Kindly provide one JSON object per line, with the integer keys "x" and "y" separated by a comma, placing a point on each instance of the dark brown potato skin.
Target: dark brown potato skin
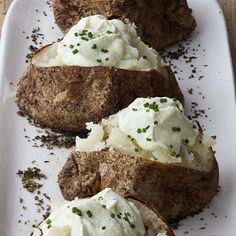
{"x": 160, "y": 23}
{"x": 174, "y": 191}
{"x": 67, "y": 97}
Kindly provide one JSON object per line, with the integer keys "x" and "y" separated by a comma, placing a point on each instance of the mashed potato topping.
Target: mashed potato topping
{"x": 106, "y": 214}
{"x": 154, "y": 129}
{"x": 97, "y": 41}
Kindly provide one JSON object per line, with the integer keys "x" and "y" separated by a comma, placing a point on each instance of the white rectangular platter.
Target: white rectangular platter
{"x": 211, "y": 87}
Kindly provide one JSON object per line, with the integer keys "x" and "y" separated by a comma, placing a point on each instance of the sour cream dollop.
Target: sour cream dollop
{"x": 97, "y": 41}
{"x": 106, "y": 214}
{"x": 154, "y": 129}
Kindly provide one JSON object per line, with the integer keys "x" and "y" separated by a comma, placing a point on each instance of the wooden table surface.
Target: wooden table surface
{"x": 229, "y": 8}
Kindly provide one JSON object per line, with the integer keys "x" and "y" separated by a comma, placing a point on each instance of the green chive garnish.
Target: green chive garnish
{"x": 186, "y": 141}
{"x": 90, "y": 35}
{"x": 77, "y": 211}
{"x": 89, "y": 213}
{"x": 94, "y": 46}
{"x": 176, "y": 129}
{"x": 84, "y": 38}
{"x": 104, "y": 50}
{"x": 48, "y": 222}
{"x": 75, "y": 51}
{"x": 139, "y": 131}
{"x": 163, "y": 100}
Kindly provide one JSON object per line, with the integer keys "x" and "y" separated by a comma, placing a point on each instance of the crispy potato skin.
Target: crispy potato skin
{"x": 67, "y": 97}
{"x": 159, "y": 23}
{"x": 174, "y": 191}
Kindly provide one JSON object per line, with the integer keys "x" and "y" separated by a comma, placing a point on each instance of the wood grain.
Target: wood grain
{"x": 229, "y": 9}
{"x": 228, "y": 6}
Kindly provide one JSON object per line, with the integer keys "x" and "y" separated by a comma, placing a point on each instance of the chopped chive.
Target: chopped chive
{"x": 78, "y": 44}
{"x": 100, "y": 198}
{"x": 104, "y": 227}
{"x": 107, "y": 59}
{"x": 77, "y": 211}
{"x": 155, "y": 122}
{"x": 148, "y": 139}
{"x": 136, "y": 150}
{"x": 109, "y": 32}
{"x": 173, "y": 153}
{"x": 113, "y": 215}
{"x": 94, "y": 46}
{"x": 99, "y": 60}
{"x": 89, "y": 213}
{"x": 139, "y": 131}
{"x": 48, "y": 222}
{"x": 84, "y": 38}
{"x": 104, "y": 206}
{"x": 163, "y": 100}
{"x": 28, "y": 56}
{"x": 144, "y": 57}
{"x": 186, "y": 141}
{"x": 194, "y": 126}
{"x": 104, "y": 50}
{"x": 146, "y": 105}
{"x": 75, "y": 51}
{"x": 76, "y": 34}
{"x": 90, "y": 35}
{"x": 176, "y": 129}
{"x": 72, "y": 46}
{"x": 135, "y": 109}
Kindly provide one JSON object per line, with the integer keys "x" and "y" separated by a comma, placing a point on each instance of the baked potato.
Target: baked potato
{"x": 169, "y": 164}
{"x": 106, "y": 213}
{"x": 98, "y": 68}
{"x": 160, "y": 23}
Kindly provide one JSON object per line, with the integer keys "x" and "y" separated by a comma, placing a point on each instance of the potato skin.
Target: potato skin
{"x": 67, "y": 97}
{"x": 159, "y": 23}
{"x": 174, "y": 191}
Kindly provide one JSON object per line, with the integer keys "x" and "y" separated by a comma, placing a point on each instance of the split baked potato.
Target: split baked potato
{"x": 106, "y": 213}
{"x": 169, "y": 163}
{"x": 98, "y": 68}
{"x": 160, "y": 23}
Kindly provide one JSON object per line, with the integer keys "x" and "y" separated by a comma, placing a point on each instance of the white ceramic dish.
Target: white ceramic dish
{"x": 217, "y": 87}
